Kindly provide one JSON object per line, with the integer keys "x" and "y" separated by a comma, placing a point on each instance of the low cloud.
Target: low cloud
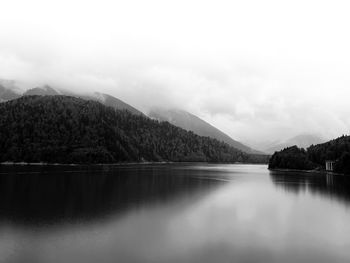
{"x": 254, "y": 74}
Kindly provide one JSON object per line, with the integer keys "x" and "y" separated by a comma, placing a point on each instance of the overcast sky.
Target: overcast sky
{"x": 258, "y": 70}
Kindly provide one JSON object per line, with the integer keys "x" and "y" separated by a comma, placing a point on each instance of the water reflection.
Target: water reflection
{"x": 327, "y": 185}
{"x": 174, "y": 213}
{"x": 53, "y": 194}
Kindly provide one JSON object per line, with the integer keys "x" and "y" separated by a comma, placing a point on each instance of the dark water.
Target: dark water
{"x": 172, "y": 213}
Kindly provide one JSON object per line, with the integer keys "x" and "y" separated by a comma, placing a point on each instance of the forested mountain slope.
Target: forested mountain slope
{"x": 65, "y": 129}
{"x": 190, "y": 122}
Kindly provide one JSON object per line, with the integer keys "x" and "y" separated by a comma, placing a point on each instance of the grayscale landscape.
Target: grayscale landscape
{"x": 174, "y": 131}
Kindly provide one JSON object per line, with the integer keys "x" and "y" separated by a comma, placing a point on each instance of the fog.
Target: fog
{"x": 258, "y": 70}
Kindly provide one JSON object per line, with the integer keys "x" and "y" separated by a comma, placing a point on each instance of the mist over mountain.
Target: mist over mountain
{"x": 114, "y": 102}
{"x": 42, "y": 91}
{"x": 180, "y": 118}
{"x": 233, "y": 70}
{"x": 9, "y": 92}
{"x": 193, "y": 123}
{"x": 301, "y": 140}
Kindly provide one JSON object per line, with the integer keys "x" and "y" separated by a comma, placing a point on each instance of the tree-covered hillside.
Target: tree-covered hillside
{"x": 70, "y": 130}
{"x": 337, "y": 150}
{"x": 291, "y": 158}
{"x": 190, "y": 122}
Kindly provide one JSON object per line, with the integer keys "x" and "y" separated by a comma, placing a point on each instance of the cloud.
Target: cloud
{"x": 258, "y": 71}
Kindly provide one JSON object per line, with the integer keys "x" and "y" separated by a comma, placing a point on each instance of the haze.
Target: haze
{"x": 258, "y": 70}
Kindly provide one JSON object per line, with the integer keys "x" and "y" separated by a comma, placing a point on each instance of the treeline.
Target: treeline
{"x": 62, "y": 129}
{"x": 291, "y": 158}
{"x": 337, "y": 150}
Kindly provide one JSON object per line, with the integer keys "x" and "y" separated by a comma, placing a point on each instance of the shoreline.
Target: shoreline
{"x": 306, "y": 171}
{"x": 77, "y": 164}
{"x": 112, "y": 164}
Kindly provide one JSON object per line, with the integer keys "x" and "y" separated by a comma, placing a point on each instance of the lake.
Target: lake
{"x": 172, "y": 213}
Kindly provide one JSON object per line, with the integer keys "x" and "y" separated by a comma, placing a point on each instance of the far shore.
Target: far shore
{"x": 318, "y": 171}
{"x": 121, "y": 163}
{"x": 78, "y": 164}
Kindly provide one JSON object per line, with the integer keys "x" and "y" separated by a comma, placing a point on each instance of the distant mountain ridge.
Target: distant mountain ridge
{"x": 301, "y": 140}
{"x": 190, "y": 122}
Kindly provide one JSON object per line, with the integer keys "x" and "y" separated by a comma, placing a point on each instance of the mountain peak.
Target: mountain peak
{"x": 43, "y": 90}
{"x": 105, "y": 99}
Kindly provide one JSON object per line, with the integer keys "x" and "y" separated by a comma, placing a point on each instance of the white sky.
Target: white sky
{"x": 258, "y": 70}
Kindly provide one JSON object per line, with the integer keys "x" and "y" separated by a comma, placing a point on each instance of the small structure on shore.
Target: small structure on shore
{"x": 330, "y": 165}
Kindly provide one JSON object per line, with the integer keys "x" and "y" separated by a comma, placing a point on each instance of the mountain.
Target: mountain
{"x": 105, "y": 99}
{"x": 44, "y": 90}
{"x": 63, "y": 129}
{"x": 178, "y": 118}
{"x": 8, "y": 90}
{"x": 302, "y": 141}
{"x": 191, "y": 122}
{"x": 111, "y": 101}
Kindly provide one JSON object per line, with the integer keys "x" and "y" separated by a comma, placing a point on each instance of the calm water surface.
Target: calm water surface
{"x": 172, "y": 213}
